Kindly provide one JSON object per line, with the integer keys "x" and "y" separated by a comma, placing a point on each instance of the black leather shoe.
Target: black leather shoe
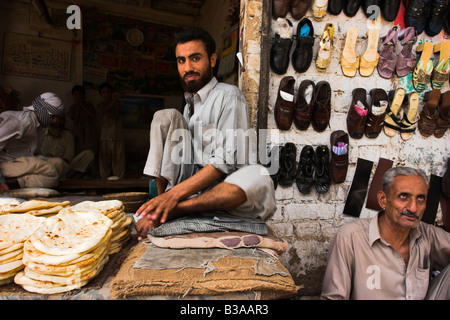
{"x": 390, "y": 9}
{"x": 302, "y": 56}
{"x": 322, "y": 178}
{"x": 436, "y": 20}
{"x": 416, "y": 14}
{"x": 351, "y": 7}
{"x": 335, "y": 7}
{"x": 305, "y": 170}
{"x": 368, "y": 8}
{"x": 288, "y": 168}
{"x": 279, "y": 54}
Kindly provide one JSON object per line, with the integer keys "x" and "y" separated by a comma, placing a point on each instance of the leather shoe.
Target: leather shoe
{"x": 281, "y": 47}
{"x": 368, "y": 11}
{"x": 357, "y": 114}
{"x": 416, "y": 14}
{"x": 280, "y": 8}
{"x": 339, "y": 156}
{"x": 305, "y": 170}
{"x": 322, "y": 106}
{"x": 377, "y": 112}
{"x": 351, "y": 7}
{"x": 436, "y": 20}
{"x": 302, "y": 56}
{"x": 322, "y": 178}
{"x": 304, "y": 105}
{"x": 389, "y": 9}
{"x": 284, "y": 106}
{"x": 299, "y": 8}
{"x": 288, "y": 170}
{"x": 335, "y": 7}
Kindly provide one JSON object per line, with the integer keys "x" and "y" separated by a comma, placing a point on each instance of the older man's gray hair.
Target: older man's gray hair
{"x": 401, "y": 171}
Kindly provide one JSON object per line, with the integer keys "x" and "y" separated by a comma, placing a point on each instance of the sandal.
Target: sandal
{"x": 287, "y": 165}
{"x": 410, "y": 117}
{"x": 441, "y": 71}
{"x": 394, "y": 112}
{"x": 319, "y": 9}
{"x": 388, "y": 59}
{"x": 326, "y": 45}
{"x": 443, "y": 116}
{"x": 349, "y": 57}
{"x": 424, "y": 68}
{"x": 369, "y": 59}
{"x": 322, "y": 179}
{"x": 428, "y": 117}
{"x": 406, "y": 58}
{"x": 305, "y": 170}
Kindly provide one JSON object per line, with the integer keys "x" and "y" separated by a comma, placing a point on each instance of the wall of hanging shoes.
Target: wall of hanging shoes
{"x": 353, "y": 81}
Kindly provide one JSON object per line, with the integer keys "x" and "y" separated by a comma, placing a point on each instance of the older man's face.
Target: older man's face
{"x": 406, "y": 200}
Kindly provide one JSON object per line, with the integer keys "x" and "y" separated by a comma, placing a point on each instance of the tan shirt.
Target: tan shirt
{"x": 362, "y": 266}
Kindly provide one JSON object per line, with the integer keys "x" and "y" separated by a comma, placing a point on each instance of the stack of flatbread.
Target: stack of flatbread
{"x": 66, "y": 252}
{"x": 15, "y": 229}
{"x": 38, "y": 208}
{"x": 113, "y": 209}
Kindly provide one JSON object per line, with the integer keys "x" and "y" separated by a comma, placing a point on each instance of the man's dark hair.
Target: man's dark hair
{"x": 105, "y": 85}
{"x": 196, "y": 33}
{"x": 78, "y": 88}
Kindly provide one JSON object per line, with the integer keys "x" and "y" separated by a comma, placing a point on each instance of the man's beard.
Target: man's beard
{"x": 195, "y": 85}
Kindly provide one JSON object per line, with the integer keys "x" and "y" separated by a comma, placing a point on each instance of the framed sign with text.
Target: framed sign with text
{"x": 32, "y": 56}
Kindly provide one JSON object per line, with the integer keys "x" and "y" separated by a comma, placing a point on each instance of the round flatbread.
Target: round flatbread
{"x": 11, "y": 266}
{"x": 106, "y": 206}
{"x": 16, "y": 228}
{"x": 71, "y": 232}
{"x": 14, "y": 247}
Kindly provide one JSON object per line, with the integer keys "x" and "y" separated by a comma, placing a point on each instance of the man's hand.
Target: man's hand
{"x": 3, "y": 187}
{"x": 142, "y": 227}
{"x": 158, "y": 209}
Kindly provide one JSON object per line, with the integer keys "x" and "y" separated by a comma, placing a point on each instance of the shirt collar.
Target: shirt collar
{"x": 374, "y": 231}
{"x": 203, "y": 92}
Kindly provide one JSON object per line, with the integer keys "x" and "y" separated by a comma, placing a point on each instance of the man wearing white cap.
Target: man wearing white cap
{"x": 20, "y": 137}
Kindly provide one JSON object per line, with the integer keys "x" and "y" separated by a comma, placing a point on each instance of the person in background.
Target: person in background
{"x": 112, "y": 147}
{"x": 59, "y": 142}
{"x": 21, "y": 134}
{"x": 393, "y": 255}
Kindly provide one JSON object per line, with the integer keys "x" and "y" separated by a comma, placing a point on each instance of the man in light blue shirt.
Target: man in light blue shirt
{"x": 201, "y": 160}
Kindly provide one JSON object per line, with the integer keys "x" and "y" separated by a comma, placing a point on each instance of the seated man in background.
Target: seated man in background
{"x": 59, "y": 142}
{"x": 392, "y": 255}
{"x": 20, "y": 137}
{"x": 213, "y": 179}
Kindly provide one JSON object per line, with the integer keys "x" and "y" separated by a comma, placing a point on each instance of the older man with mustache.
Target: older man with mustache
{"x": 392, "y": 255}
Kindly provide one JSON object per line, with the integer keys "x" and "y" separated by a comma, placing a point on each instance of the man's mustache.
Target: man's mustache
{"x": 409, "y": 213}
{"x": 192, "y": 73}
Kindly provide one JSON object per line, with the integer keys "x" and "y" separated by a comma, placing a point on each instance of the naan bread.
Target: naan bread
{"x": 106, "y": 206}
{"x": 16, "y": 228}
{"x": 43, "y": 212}
{"x": 71, "y": 232}
{"x": 28, "y": 193}
{"x": 11, "y": 266}
{"x": 14, "y": 247}
{"x": 33, "y": 205}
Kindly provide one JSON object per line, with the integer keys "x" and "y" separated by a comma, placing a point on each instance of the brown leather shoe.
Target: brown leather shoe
{"x": 443, "y": 115}
{"x": 304, "y": 105}
{"x": 284, "y": 106}
{"x": 299, "y": 8}
{"x": 356, "y": 122}
{"x": 322, "y": 106}
{"x": 339, "y": 156}
{"x": 377, "y": 112}
{"x": 280, "y": 8}
{"x": 428, "y": 117}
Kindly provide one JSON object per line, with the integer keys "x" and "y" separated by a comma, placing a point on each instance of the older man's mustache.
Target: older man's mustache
{"x": 192, "y": 73}
{"x": 410, "y": 214}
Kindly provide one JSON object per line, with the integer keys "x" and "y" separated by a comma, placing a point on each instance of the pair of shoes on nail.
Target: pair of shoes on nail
{"x": 403, "y": 62}
{"x": 426, "y": 15}
{"x": 325, "y": 48}
{"x": 284, "y": 40}
{"x": 319, "y": 9}
{"x": 297, "y": 8}
{"x": 313, "y": 170}
{"x": 365, "y": 120}
{"x": 402, "y": 114}
{"x": 351, "y": 61}
{"x": 424, "y": 72}
{"x": 287, "y": 165}
{"x": 434, "y": 117}
{"x": 350, "y": 7}
{"x": 340, "y": 149}
{"x": 313, "y": 105}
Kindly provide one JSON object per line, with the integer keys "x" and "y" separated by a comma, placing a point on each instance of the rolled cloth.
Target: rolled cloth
{"x": 47, "y": 105}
